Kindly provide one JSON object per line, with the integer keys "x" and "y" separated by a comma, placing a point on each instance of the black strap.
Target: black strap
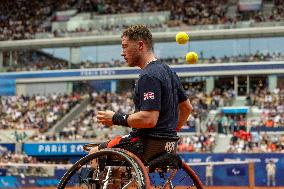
{"x": 159, "y": 137}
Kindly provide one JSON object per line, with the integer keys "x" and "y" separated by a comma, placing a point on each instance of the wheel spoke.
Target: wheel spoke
{"x": 169, "y": 179}
{"x": 129, "y": 183}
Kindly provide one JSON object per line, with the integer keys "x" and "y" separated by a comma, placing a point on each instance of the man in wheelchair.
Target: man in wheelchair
{"x": 161, "y": 104}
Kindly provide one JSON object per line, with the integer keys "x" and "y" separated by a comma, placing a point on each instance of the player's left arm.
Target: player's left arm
{"x": 150, "y": 98}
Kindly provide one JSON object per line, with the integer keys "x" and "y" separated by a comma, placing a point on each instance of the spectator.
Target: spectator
{"x": 209, "y": 175}
{"x": 271, "y": 172}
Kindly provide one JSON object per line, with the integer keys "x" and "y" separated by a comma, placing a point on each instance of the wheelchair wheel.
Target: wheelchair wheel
{"x": 115, "y": 168}
{"x": 179, "y": 178}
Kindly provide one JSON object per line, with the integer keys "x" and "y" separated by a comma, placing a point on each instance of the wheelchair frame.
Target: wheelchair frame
{"x": 142, "y": 173}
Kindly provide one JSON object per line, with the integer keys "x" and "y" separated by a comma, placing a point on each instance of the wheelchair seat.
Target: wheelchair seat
{"x": 165, "y": 161}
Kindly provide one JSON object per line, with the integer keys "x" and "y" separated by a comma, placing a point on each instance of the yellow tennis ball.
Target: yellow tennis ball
{"x": 182, "y": 38}
{"x": 191, "y": 57}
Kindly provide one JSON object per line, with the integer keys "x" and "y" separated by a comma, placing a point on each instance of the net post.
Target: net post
{"x": 251, "y": 175}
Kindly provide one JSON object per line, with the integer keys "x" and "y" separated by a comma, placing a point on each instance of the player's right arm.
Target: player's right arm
{"x": 143, "y": 119}
{"x": 149, "y": 90}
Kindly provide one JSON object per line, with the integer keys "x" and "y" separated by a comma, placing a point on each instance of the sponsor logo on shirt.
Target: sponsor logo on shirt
{"x": 149, "y": 95}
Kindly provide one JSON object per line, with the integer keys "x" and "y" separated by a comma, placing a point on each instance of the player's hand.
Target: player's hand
{"x": 105, "y": 117}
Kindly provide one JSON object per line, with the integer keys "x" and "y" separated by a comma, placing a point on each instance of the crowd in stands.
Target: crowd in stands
{"x": 226, "y": 123}
{"x": 34, "y": 112}
{"x": 253, "y": 57}
{"x": 42, "y": 112}
{"x": 202, "y": 103}
{"x": 86, "y": 127}
{"x": 9, "y": 161}
{"x": 188, "y": 12}
{"x": 278, "y": 10}
{"x": 197, "y": 143}
{"x": 256, "y": 142}
{"x": 22, "y": 19}
{"x": 276, "y": 14}
{"x": 31, "y": 60}
{"x": 7, "y": 156}
{"x": 271, "y": 104}
{"x": 182, "y": 13}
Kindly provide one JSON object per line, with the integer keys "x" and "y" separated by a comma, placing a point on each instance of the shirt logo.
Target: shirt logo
{"x": 170, "y": 146}
{"x": 149, "y": 95}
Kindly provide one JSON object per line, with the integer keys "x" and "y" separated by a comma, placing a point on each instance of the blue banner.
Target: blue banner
{"x": 7, "y": 87}
{"x": 266, "y": 129}
{"x": 8, "y": 182}
{"x": 54, "y": 149}
{"x": 8, "y": 146}
{"x": 224, "y": 175}
{"x": 235, "y": 110}
{"x": 236, "y": 170}
{"x": 237, "y": 174}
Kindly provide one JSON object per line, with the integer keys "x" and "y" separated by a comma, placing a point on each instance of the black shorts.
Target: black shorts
{"x": 146, "y": 148}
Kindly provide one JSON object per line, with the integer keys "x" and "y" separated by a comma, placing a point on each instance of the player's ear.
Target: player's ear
{"x": 140, "y": 45}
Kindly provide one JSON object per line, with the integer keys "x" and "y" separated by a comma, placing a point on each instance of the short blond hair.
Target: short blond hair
{"x": 139, "y": 32}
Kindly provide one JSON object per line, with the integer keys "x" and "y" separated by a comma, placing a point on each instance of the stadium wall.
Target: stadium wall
{"x": 220, "y": 69}
{"x": 225, "y": 175}
{"x": 228, "y": 174}
{"x": 60, "y": 81}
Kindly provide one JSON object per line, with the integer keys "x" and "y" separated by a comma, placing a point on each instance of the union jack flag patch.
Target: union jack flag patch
{"x": 149, "y": 95}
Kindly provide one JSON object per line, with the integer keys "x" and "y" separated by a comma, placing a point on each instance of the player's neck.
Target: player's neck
{"x": 148, "y": 59}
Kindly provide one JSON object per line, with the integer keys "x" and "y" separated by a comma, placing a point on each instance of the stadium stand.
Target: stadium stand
{"x": 37, "y": 112}
{"x": 85, "y": 128}
{"x": 256, "y": 142}
{"x": 270, "y": 104}
{"x": 34, "y": 60}
{"x": 51, "y": 16}
{"x": 22, "y": 20}
{"x": 216, "y": 130}
{"x": 197, "y": 143}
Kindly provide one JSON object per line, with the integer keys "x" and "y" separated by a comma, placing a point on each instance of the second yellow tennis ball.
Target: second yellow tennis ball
{"x": 191, "y": 57}
{"x": 182, "y": 38}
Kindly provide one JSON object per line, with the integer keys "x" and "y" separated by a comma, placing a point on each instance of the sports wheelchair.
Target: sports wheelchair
{"x": 118, "y": 168}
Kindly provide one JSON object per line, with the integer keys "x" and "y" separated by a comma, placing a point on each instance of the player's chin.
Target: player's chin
{"x": 130, "y": 64}
{"x": 126, "y": 62}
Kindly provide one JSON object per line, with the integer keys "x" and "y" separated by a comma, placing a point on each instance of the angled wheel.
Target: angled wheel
{"x": 115, "y": 168}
